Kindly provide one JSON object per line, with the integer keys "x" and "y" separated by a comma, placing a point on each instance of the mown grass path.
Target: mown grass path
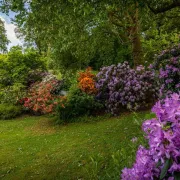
{"x": 35, "y": 148}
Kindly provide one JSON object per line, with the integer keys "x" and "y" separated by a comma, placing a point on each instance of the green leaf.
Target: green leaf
{"x": 177, "y": 175}
{"x": 158, "y": 164}
{"x": 165, "y": 168}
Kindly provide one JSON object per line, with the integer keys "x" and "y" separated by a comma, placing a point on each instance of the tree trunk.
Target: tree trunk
{"x": 136, "y": 41}
{"x": 131, "y": 32}
{"x": 137, "y": 51}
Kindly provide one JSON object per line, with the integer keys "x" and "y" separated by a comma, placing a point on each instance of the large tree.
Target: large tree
{"x": 3, "y": 37}
{"x": 158, "y": 7}
{"x": 69, "y": 26}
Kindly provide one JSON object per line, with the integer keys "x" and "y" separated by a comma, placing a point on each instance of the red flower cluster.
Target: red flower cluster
{"x": 87, "y": 81}
{"x": 41, "y": 99}
{"x": 22, "y": 100}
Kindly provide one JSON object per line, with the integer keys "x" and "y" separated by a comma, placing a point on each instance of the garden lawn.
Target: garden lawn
{"x": 36, "y": 148}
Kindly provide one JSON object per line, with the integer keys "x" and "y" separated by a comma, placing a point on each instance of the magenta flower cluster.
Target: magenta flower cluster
{"x": 120, "y": 86}
{"x": 162, "y": 159}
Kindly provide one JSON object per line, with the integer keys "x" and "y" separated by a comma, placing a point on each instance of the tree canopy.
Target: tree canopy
{"x": 80, "y": 32}
{"x": 3, "y": 37}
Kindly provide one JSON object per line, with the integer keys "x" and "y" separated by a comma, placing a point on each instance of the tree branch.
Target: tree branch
{"x": 164, "y": 8}
{"x": 114, "y": 19}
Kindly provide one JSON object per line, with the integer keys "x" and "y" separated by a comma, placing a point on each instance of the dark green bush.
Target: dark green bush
{"x": 9, "y": 111}
{"x": 77, "y": 104}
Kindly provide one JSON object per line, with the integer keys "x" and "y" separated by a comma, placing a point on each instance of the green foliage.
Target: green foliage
{"x": 97, "y": 33}
{"x": 77, "y": 104}
{"x": 15, "y": 73}
{"x": 101, "y": 49}
{"x": 153, "y": 42}
{"x": 69, "y": 79}
{"x": 108, "y": 50}
{"x": 3, "y": 37}
{"x": 177, "y": 176}
{"x": 17, "y": 65}
{"x": 11, "y": 94}
{"x": 9, "y": 111}
{"x": 84, "y": 31}
{"x": 165, "y": 168}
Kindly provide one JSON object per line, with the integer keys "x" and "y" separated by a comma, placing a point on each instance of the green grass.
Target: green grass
{"x": 36, "y": 148}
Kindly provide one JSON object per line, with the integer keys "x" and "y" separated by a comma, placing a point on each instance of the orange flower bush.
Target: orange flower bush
{"x": 87, "y": 81}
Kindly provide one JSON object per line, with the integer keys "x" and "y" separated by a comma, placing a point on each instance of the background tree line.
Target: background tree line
{"x": 76, "y": 34}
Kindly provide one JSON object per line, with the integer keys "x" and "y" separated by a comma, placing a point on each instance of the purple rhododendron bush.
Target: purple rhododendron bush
{"x": 120, "y": 86}
{"x": 168, "y": 65}
{"x": 162, "y": 159}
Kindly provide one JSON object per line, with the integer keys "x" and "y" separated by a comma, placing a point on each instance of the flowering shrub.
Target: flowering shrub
{"x": 49, "y": 77}
{"x": 80, "y": 99}
{"x": 87, "y": 82}
{"x": 162, "y": 159}
{"x": 41, "y": 97}
{"x": 167, "y": 54}
{"x": 120, "y": 86}
{"x": 35, "y": 76}
{"x": 169, "y": 74}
